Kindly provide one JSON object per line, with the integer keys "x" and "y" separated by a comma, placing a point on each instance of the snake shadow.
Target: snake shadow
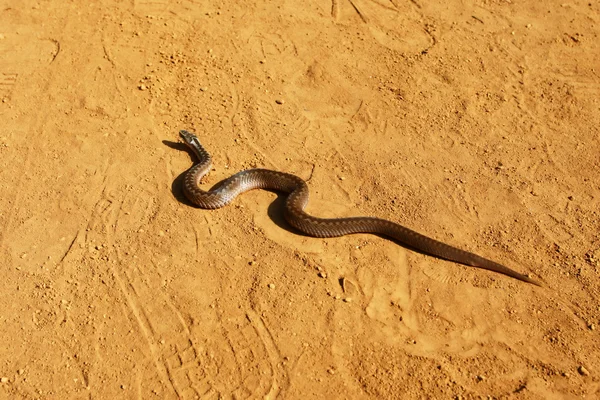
{"x": 177, "y": 184}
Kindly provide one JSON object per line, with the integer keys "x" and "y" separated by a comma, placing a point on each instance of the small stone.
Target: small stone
{"x": 3, "y": 379}
{"x": 583, "y": 370}
{"x": 161, "y": 233}
{"x": 347, "y": 299}
{"x": 279, "y": 101}
{"x": 592, "y": 327}
{"x": 322, "y": 274}
{"x": 21, "y": 371}
{"x": 271, "y": 286}
{"x": 480, "y": 378}
{"x": 142, "y": 87}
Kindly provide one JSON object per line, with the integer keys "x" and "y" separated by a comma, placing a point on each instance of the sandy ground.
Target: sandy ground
{"x": 476, "y": 123}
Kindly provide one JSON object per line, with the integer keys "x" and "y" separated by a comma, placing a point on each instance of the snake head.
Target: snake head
{"x": 194, "y": 144}
{"x": 188, "y": 137}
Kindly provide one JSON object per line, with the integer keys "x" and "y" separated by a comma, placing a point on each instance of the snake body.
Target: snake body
{"x": 295, "y": 215}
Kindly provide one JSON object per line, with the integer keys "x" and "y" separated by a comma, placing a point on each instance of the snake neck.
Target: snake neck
{"x": 201, "y": 154}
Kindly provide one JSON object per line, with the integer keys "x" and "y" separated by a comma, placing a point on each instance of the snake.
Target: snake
{"x": 297, "y": 198}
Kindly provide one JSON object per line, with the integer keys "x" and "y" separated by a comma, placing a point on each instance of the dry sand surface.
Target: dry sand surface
{"x": 474, "y": 122}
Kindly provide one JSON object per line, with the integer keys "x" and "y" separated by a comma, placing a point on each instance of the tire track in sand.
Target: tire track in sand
{"x": 239, "y": 359}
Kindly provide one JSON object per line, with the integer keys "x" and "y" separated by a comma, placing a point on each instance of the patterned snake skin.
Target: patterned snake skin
{"x": 294, "y": 213}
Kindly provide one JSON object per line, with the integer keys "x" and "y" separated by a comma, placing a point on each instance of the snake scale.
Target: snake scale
{"x": 294, "y": 213}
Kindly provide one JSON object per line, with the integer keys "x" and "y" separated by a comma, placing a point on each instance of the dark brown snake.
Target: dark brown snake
{"x": 297, "y": 199}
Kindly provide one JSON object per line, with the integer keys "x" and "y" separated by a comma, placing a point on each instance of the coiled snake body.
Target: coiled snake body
{"x": 297, "y": 199}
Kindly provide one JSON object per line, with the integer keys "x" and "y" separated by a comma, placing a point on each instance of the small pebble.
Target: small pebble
{"x": 348, "y": 299}
{"x": 322, "y": 274}
{"x": 279, "y": 101}
{"x": 142, "y": 87}
{"x": 271, "y": 286}
{"x": 583, "y": 370}
{"x": 592, "y": 327}
{"x": 3, "y": 379}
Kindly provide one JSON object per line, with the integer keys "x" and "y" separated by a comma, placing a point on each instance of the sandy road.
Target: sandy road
{"x": 484, "y": 116}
